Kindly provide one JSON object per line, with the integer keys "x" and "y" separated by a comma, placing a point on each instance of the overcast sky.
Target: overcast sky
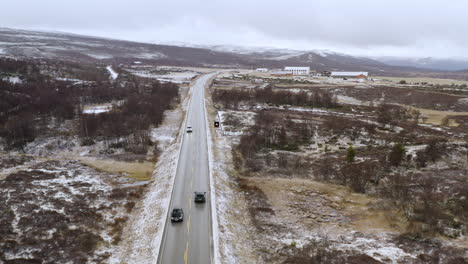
{"x": 419, "y": 28}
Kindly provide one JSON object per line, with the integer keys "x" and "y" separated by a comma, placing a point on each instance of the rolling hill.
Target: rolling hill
{"x": 66, "y": 46}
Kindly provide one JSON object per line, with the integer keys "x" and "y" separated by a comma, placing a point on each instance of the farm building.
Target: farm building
{"x": 298, "y": 70}
{"x": 262, "y": 69}
{"x": 281, "y": 73}
{"x": 350, "y": 75}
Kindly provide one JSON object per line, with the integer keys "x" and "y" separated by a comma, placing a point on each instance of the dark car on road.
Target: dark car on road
{"x": 200, "y": 197}
{"x": 189, "y": 129}
{"x": 177, "y": 215}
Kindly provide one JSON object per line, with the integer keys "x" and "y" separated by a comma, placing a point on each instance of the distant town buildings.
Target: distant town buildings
{"x": 305, "y": 71}
{"x": 298, "y": 70}
{"x": 350, "y": 75}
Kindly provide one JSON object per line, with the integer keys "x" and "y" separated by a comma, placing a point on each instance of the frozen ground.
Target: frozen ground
{"x": 58, "y": 211}
{"x": 275, "y": 219}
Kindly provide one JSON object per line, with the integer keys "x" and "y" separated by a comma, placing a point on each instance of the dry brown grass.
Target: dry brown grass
{"x": 141, "y": 171}
{"x": 359, "y": 208}
{"x": 422, "y": 79}
{"x": 437, "y": 117}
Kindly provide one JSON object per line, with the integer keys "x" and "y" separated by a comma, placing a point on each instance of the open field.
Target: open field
{"x": 140, "y": 171}
{"x": 438, "y": 117}
{"x": 410, "y": 80}
{"x": 289, "y": 166}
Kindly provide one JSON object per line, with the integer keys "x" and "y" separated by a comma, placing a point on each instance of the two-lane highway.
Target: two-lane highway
{"x": 190, "y": 241}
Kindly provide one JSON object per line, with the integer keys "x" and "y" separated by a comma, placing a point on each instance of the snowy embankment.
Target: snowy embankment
{"x": 231, "y": 221}
{"x": 214, "y": 211}
{"x": 142, "y": 235}
{"x": 113, "y": 74}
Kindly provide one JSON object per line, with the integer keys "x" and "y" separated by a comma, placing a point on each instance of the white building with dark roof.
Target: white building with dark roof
{"x": 298, "y": 70}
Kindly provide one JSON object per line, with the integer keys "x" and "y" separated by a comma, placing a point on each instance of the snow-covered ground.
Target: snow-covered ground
{"x": 241, "y": 242}
{"x": 113, "y": 74}
{"x": 58, "y": 200}
{"x": 234, "y": 245}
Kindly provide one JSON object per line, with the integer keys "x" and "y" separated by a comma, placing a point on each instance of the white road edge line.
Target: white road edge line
{"x": 215, "y": 258}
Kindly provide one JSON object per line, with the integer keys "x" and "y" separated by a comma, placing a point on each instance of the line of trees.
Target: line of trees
{"x": 232, "y": 97}
{"x": 140, "y": 111}
{"x": 28, "y": 107}
{"x": 18, "y": 66}
{"x": 272, "y": 132}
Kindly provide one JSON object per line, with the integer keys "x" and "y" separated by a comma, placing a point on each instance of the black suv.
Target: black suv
{"x": 177, "y": 215}
{"x": 200, "y": 197}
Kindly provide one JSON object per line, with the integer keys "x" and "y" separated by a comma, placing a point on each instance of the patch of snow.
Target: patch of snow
{"x": 432, "y": 127}
{"x": 97, "y": 109}
{"x": 68, "y": 79}
{"x": 155, "y": 55}
{"x": 99, "y": 56}
{"x": 411, "y": 150}
{"x": 348, "y": 100}
{"x": 112, "y": 73}
{"x": 462, "y": 100}
{"x": 14, "y": 80}
{"x": 26, "y": 253}
{"x": 380, "y": 250}
{"x": 326, "y": 53}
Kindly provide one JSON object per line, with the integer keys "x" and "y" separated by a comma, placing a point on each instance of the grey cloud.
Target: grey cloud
{"x": 368, "y": 27}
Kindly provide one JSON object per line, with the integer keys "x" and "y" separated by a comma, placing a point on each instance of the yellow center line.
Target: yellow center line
{"x": 188, "y": 225}
{"x": 186, "y": 253}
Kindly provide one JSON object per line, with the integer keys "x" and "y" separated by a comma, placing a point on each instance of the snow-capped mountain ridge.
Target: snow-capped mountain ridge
{"x": 64, "y": 46}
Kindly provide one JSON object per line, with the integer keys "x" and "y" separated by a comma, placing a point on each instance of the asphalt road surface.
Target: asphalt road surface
{"x": 190, "y": 241}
